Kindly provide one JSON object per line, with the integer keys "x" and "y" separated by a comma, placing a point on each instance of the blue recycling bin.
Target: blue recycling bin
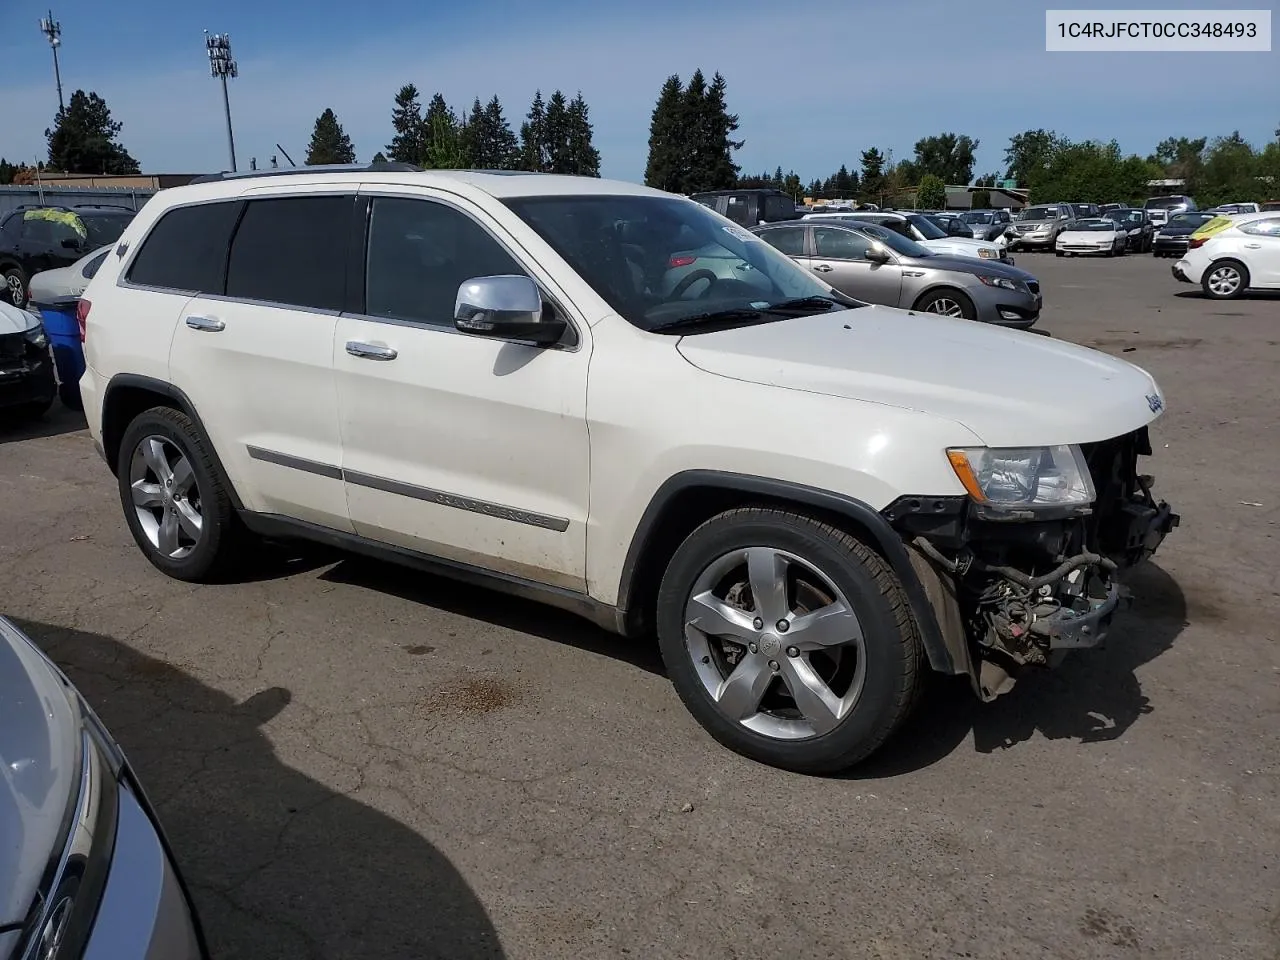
{"x": 63, "y": 330}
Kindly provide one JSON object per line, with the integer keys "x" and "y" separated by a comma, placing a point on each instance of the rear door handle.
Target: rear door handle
{"x": 208, "y": 324}
{"x": 370, "y": 351}
{"x": 824, "y": 268}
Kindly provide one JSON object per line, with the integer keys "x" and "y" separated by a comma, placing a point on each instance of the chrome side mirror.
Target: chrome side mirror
{"x": 505, "y": 308}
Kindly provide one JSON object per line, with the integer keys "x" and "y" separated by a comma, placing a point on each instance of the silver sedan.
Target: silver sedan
{"x": 874, "y": 264}
{"x": 87, "y": 872}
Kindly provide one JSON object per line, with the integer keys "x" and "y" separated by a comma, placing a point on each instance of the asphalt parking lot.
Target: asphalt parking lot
{"x": 357, "y": 761}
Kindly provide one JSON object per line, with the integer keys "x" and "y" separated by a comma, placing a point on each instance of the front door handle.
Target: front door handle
{"x": 208, "y": 324}
{"x": 370, "y": 351}
{"x": 824, "y": 268}
{"x": 1254, "y": 246}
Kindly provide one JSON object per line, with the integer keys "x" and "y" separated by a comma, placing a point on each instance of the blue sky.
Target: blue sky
{"x": 860, "y": 74}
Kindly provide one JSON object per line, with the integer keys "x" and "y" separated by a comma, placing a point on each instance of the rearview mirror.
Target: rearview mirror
{"x": 877, "y": 254}
{"x": 505, "y": 308}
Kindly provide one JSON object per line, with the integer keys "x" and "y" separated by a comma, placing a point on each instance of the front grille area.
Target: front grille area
{"x": 13, "y": 350}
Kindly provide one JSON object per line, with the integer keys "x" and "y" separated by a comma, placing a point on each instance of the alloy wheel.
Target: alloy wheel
{"x": 1224, "y": 280}
{"x": 166, "y": 497}
{"x": 945, "y": 306}
{"x": 775, "y": 642}
{"x": 17, "y": 291}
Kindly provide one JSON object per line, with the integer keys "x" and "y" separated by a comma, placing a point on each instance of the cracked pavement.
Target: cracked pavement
{"x": 354, "y": 760}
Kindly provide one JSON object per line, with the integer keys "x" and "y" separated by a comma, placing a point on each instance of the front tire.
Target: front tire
{"x": 947, "y": 303}
{"x": 14, "y": 283}
{"x": 1225, "y": 280}
{"x": 789, "y": 640}
{"x": 177, "y": 507}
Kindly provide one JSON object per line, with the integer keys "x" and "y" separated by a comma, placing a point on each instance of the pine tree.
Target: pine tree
{"x": 584, "y": 158}
{"x": 379, "y": 157}
{"x": 777, "y": 179}
{"x": 844, "y": 183}
{"x": 474, "y": 139}
{"x": 555, "y": 134}
{"x": 665, "y": 169}
{"x": 406, "y": 119}
{"x": 872, "y": 173}
{"x": 504, "y": 148}
{"x": 533, "y": 137}
{"x": 83, "y": 139}
{"x": 442, "y": 137}
{"x": 329, "y": 143}
{"x": 718, "y": 131}
{"x": 694, "y": 162}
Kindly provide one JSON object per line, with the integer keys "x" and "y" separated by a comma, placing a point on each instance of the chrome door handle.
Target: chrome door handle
{"x": 824, "y": 268}
{"x": 370, "y": 351}
{"x": 1254, "y": 246}
{"x": 208, "y": 324}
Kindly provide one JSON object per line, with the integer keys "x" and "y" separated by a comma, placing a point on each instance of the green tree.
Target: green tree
{"x": 947, "y": 156}
{"x": 583, "y": 157}
{"x": 1029, "y": 153}
{"x": 533, "y": 138}
{"x": 555, "y": 134}
{"x": 664, "y": 169}
{"x": 843, "y": 181}
{"x": 718, "y": 145}
{"x": 792, "y": 186}
{"x": 407, "y": 145}
{"x": 490, "y": 144}
{"x": 329, "y": 142}
{"x": 83, "y": 139}
{"x": 932, "y": 193}
{"x": 379, "y": 157}
{"x": 442, "y": 137}
{"x": 872, "y": 173}
{"x": 1231, "y": 173}
{"x": 694, "y": 166}
{"x": 1093, "y": 171}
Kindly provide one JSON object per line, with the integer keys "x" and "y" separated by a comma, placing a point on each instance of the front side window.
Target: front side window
{"x": 637, "y": 252}
{"x": 292, "y": 250}
{"x": 419, "y": 253}
{"x": 840, "y": 244}
{"x": 896, "y": 241}
{"x": 187, "y": 248}
{"x": 926, "y": 228}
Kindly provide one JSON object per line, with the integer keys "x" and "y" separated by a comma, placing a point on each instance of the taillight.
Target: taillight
{"x": 680, "y": 262}
{"x": 82, "y": 316}
{"x": 1196, "y": 242}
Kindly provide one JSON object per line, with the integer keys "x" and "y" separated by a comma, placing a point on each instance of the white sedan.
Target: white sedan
{"x": 1095, "y": 235}
{"x": 1228, "y": 256}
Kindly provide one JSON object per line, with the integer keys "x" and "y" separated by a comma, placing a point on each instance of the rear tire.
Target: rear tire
{"x": 69, "y": 394}
{"x": 32, "y": 411}
{"x": 1225, "y": 280}
{"x": 857, "y": 664}
{"x": 14, "y": 283}
{"x": 175, "y": 501}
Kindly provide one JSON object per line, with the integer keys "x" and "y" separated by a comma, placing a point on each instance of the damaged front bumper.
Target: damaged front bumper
{"x": 1010, "y": 595}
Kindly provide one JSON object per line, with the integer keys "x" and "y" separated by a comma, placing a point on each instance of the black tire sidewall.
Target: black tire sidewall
{"x": 887, "y": 658}
{"x": 215, "y": 517}
{"x": 1227, "y": 261}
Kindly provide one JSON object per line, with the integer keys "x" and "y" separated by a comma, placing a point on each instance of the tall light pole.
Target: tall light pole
{"x": 222, "y": 66}
{"x": 52, "y": 31}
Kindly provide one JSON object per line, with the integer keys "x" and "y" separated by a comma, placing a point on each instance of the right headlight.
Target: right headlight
{"x": 1024, "y": 478}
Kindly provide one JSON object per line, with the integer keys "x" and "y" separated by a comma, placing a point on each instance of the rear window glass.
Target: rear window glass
{"x": 187, "y": 248}
{"x": 292, "y": 250}
{"x": 789, "y": 240}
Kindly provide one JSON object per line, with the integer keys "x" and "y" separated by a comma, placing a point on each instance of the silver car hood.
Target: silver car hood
{"x": 39, "y": 763}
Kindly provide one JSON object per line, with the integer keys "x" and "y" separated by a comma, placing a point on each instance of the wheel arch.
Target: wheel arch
{"x": 939, "y": 286}
{"x": 128, "y": 395}
{"x": 688, "y": 499}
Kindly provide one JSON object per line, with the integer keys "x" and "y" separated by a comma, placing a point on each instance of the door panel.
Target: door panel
{"x": 258, "y": 361}
{"x": 839, "y": 258}
{"x": 463, "y": 447}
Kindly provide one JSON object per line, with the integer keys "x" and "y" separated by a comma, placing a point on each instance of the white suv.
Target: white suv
{"x": 809, "y": 500}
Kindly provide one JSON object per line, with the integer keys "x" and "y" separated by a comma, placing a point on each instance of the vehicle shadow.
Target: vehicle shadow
{"x": 280, "y": 865}
{"x": 1094, "y": 696}
{"x": 1261, "y": 296}
{"x": 489, "y": 606}
{"x": 59, "y": 420}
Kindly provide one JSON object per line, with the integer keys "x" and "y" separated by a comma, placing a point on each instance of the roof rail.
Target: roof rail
{"x": 390, "y": 166}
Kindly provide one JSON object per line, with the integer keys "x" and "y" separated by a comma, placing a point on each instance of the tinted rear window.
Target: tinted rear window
{"x": 292, "y": 250}
{"x": 187, "y": 248}
{"x": 105, "y": 228}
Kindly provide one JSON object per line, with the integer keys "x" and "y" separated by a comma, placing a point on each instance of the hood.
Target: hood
{"x": 975, "y": 266}
{"x": 13, "y": 320}
{"x": 39, "y": 769}
{"x": 1009, "y": 388}
{"x": 958, "y": 243}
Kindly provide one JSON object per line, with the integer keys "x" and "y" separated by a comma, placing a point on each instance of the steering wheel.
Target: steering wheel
{"x": 679, "y": 289}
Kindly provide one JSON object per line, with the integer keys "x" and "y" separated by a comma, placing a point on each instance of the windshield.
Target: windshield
{"x": 1121, "y": 216}
{"x": 1164, "y": 203}
{"x": 105, "y": 228}
{"x": 976, "y": 217}
{"x": 1101, "y": 225}
{"x": 659, "y": 260}
{"x": 1039, "y": 213}
{"x": 895, "y": 241}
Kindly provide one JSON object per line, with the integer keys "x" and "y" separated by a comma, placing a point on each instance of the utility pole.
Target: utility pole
{"x": 222, "y": 66}
{"x": 52, "y": 31}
